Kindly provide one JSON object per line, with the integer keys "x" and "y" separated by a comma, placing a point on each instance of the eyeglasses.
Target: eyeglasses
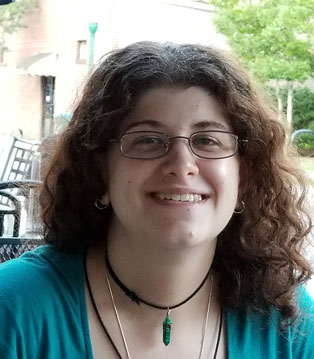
{"x": 204, "y": 144}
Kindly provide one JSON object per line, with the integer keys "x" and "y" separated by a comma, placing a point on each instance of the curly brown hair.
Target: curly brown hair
{"x": 258, "y": 256}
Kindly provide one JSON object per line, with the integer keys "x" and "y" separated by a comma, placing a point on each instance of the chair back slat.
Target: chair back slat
{"x": 18, "y": 163}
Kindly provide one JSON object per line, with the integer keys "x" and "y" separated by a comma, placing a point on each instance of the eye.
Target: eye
{"x": 205, "y": 140}
{"x": 144, "y": 142}
{"x": 147, "y": 140}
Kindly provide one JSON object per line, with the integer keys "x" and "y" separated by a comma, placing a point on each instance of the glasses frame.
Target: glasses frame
{"x": 170, "y": 139}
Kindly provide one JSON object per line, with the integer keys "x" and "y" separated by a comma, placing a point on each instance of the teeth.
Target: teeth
{"x": 186, "y": 197}
{"x": 189, "y": 197}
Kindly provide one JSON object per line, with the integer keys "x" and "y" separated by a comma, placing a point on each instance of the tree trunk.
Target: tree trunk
{"x": 279, "y": 101}
{"x": 290, "y": 103}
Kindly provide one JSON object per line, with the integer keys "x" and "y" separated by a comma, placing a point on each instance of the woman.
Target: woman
{"x": 174, "y": 218}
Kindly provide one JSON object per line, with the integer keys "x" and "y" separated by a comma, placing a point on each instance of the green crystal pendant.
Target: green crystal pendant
{"x": 166, "y": 329}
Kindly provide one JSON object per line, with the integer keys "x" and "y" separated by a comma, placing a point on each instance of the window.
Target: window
{"x": 81, "y": 52}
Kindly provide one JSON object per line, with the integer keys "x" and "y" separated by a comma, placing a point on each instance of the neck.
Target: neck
{"x": 160, "y": 275}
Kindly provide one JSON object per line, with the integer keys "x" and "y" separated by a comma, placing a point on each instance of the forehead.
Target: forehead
{"x": 176, "y": 108}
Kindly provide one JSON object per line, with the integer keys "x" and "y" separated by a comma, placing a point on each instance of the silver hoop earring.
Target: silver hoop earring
{"x": 241, "y": 209}
{"x": 100, "y": 205}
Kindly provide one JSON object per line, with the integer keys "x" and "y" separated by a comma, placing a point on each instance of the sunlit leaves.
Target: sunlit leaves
{"x": 11, "y": 15}
{"x": 274, "y": 37}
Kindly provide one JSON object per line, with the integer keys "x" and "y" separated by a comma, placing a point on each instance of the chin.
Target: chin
{"x": 187, "y": 240}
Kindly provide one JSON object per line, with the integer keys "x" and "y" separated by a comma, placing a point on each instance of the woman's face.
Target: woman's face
{"x": 149, "y": 197}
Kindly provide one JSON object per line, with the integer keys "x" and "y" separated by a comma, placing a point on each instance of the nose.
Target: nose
{"x": 179, "y": 161}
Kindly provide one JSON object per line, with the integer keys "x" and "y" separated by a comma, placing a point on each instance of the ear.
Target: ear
{"x": 105, "y": 199}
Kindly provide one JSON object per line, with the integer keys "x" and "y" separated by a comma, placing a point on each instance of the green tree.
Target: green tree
{"x": 303, "y": 109}
{"x": 303, "y": 106}
{"x": 273, "y": 37}
{"x": 11, "y": 18}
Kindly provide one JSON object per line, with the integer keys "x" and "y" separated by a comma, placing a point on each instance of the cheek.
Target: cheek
{"x": 123, "y": 181}
{"x": 225, "y": 179}
{"x": 223, "y": 171}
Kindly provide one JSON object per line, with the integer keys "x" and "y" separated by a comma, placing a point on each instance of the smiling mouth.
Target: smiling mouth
{"x": 188, "y": 197}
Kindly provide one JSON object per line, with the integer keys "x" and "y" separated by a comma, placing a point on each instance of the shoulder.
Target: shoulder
{"x": 302, "y": 332}
{"x": 42, "y": 299}
{"x": 39, "y": 276}
{"x": 39, "y": 269}
{"x": 262, "y": 334}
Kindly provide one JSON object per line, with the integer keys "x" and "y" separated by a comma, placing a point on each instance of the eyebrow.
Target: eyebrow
{"x": 202, "y": 125}
{"x": 211, "y": 124}
{"x": 152, "y": 123}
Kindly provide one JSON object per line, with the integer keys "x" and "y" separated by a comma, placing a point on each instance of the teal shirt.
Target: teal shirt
{"x": 43, "y": 315}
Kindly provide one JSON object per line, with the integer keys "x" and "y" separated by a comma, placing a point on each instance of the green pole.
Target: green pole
{"x": 92, "y": 29}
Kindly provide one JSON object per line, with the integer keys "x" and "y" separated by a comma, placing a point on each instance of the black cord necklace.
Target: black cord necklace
{"x": 134, "y": 297}
{"x": 96, "y": 309}
{"x": 106, "y": 331}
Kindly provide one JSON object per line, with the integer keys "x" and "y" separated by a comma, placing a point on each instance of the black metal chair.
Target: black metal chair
{"x": 12, "y": 247}
{"x": 15, "y": 211}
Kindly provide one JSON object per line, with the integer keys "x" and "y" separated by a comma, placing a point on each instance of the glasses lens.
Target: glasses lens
{"x": 144, "y": 144}
{"x": 213, "y": 144}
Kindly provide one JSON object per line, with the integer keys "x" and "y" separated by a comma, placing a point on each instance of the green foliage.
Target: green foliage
{"x": 305, "y": 144}
{"x": 303, "y": 109}
{"x": 303, "y": 106}
{"x": 273, "y": 37}
{"x": 305, "y": 141}
{"x": 11, "y": 16}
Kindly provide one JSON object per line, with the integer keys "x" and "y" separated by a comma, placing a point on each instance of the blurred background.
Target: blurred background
{"x": 48, "y": 47}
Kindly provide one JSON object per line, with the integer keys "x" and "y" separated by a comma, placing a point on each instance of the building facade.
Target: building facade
{"x": 47, "y": 62}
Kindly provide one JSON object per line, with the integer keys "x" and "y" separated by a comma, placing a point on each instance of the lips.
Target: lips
{"x": 185, "y": 197}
